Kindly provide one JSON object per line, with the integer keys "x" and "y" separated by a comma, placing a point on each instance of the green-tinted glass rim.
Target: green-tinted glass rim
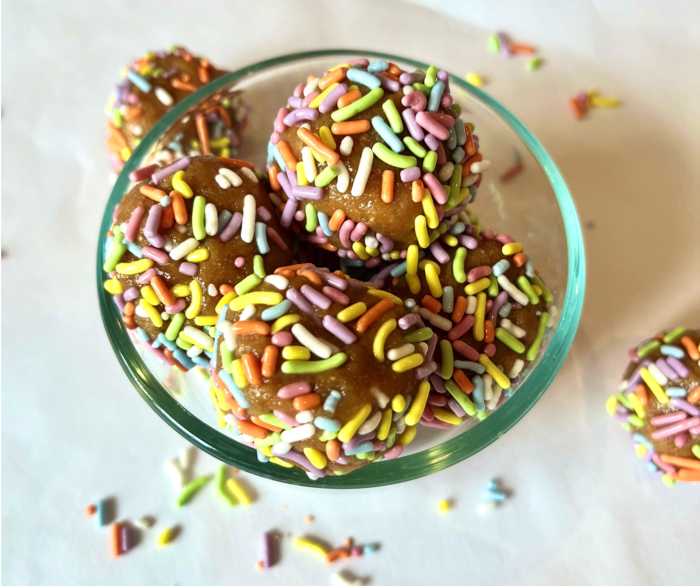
{"x": 390, "y": 472}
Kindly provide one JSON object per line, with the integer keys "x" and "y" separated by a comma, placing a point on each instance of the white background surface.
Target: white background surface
{"x": 584, "y": 510}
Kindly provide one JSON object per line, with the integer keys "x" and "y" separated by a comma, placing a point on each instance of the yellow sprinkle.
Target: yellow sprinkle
{"x": 237, "y": 490}
{"x": 668, "y": 481}
{"x": 475, "y": 79}
{"x": 295, "y": 352}
{"x": 180, "y": 291}
{"x": 412, "y": 260}
{"x": 431, "y": 276}
{"x": 165, "y": 536}
{"x": 359, "y": 249}
{"x": 353, "y": 88}
{"x": 384, "y": 426}
{"x": 196, "y": 300}
{"x": 498, "y": 377}
{"x": 600, "y": 102}
{"x": 238, "y": 373}
{"x": 149, "y": 295}
{"x": 395, "y": 255}
{"x": 301, "y": 174}
{"x": 444, "y": 504}
{"x": 449, "y": 239}
{"x": 398, "y": 403}
{"x": 327, "y": 137}
{"x": 316, "y": 457}
{"x": 280, "y": 462}
{"x": 182, "y": 335}
{"x": 306, "y": 543}
{"x": 114, "y": 286}
{"x": 512, "y": 248}
{"x": 151, "y": 312}
{"x": 266, "y": 451}
{"x": 446, "y": 416}
{"x": 421, "y": 229}
{"x": 407, "y": 363}
{"x": 479, "y": 315}
{"x": 225, "y": 300}
{"x": 385, "y": 295}
{"x": 199, "y": 255}
{"x": 429, "y": 210}
{"x": 220, "y": 143}
{"x": 125, "y": 153}
{"x": 640, "y": 450}
{"x": 380, "y": 338}
{"x": 220, "y": 421}
{"x": 476, "y": 286}
{"x": 655, "y": 388}
{"x": 418, "y": 406}
{"x": 255, "y": 298}
{"x": 339, "y": 66}
{"x": 205, "y": 320}
{"x": 180, "y": 185}
{"x": 350, "y": 428}
{"x": 637, "y": 405}
{"x": 284, "y": 321}
{"x": 413, "y": 283}
{"x": 407, "y": 436}
{"x": 134, "y": 268}
{"x": 426, "y": 261}
{"x": 611, "y": 405}
{"x": 316, "y": 102}
{"x": 372, "y": 251}
{"x": 351, "y": 313}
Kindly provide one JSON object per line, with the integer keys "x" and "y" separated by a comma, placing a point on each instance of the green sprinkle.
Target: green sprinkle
{"x": 668, "y": 481}
{"x": 431, "y": 76}
{"x": 259, "y": 266}
{"x": 457, "y": 108}
{"x": 117, "y": 119}
{"x": 434, "y": 235}
{"x": 481, "y": 415}
{"x": 118, "y": 250}
{"x": 624, "y": 401}
{"x": 526, "y": 288}
{"x": 471, "y": 126}
{"x": 393, "y": 116}
{"x": 464, "y": 401}
{"x": 270, "y": 419}
{"x": 532, "y": 352}
{"x": 494, "y": 44}
{"x": 626, "y": 426}
{"x": 430, "y": 162}
{"x": 189, "y": 490}
{"x": 422, "y": 88}
{"x": 226, "y": 357}
{"x": 176, "y": 322}
{"x": 313, "y": 366}
{"x": 247, "y": 284}
{"x": 448, "y": 364}
{"x": 696, "y": 450}
{"x": 636, "y": 421}
{"x": 673, "y": 335}
{"x": 648, "y": 348}
{"x": 391, "y": 158}
{"x": 391, "y": 438}
{"x": 327, "y": 436}
{"x": 220, "y": 481}
{"x": 365, "y": 102}
{"x": 493, "y": 286}
{"x": 311, "y": 217}
{"x": 509, "y": 340}
{"x": 534, "y": 63}
{"x": 339, "y": 473}
{"x": 458, "y": 265}
{"x": 326, "y": 176}
{"x": 198, "y": 217}
{"x": 455, "y": 185}
{"x": 415, "y": 147}
{"x": 421, "y": 335}
{"x": 270, "y": 440}
{"x": 182, "y": 343}
{"x": 546, "y": 295}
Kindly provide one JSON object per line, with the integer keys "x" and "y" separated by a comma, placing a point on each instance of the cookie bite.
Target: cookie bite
{"x": 486, "y": 308}
{"x": 183, "y": 238}
{"x": 150, "y": 87}
{"x": 659, "y": 404}
{"x": 369, "y": 158}
{"x": 306, "y": 373}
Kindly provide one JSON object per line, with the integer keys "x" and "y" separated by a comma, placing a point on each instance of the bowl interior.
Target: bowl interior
{"x": 534, "y": 207}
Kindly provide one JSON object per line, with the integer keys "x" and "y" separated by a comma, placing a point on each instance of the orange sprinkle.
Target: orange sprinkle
{"x": 431, "y": 303}
{"x": 272, "y": 174}
{"x": 308, "y": 79}
{"x": 417, "y": 190}
{"x": 462, "y": 381}
{"x": 470, "y": 148}
{"x": 315, "y": 144}
{"x": 473, "y": 159}
{"x": 390, "y": 75}
{"x": 576, "y": 108}
{"x": 161, "y": 288}
{"x": 259, "y": 565}
{"x": 230, "y": 401}
{"x": 223, "y": 114}
{"x": 393, "y": 68}
{"x": 460, "y": 308}
{"x": 327, "y": 246}
{"x": 349, "y": 98}
{"x": 179, "y": 208}
{"x": 178, "y": 84}
{"x": 237, "y": 162}
{"x": 692, "y": 463}
{"x": 387, "y": 186}
{"x": 690, "y": 348}
{"x": 129, "y": 308}
{"x": 488, "y": 331}
{"x": 251, "y": 327}
{"x": 132, "y": 113}
{"x": 259, "y": 422}
{"x": 115, "y": 532}
{"x": 152, "y": 192}
{"x": 251, "y": 368}
{"x": 310, "y": 275}
{"x": 251, "y": 429}
{"x": 176, "y": 362}
{"x": 90, "y": 510}
{"x": 168, "y": 218}
{"x": 340, "y": 274}
{"x": 291, "y": 268}
{"x": 225, "y": 289}
{"x": 269, "y": 361}
{"x": 395, "y": 281}
{"x": 685, "y": 475}
{"x": 336, "y": 220}
{"x": 117, "y": 135}
{"x": 333, "y": 450}
{"x": 185, "y": 77}
{"x": 641, "y": 392}
{"x": 519, "y": 259}
{"x": 287, "y": 155}
{"x": 371, "y": 315}
{"x": 287, "y": 274}
{"x": 519, "y": 49}
{"x": 694, "y": 396}
{"x": 203, "y": 133}
{"x": 204, "y": 76}
{"x": 336, "y": 554}
{"x": 129, "y": 322}
{"x": 335, "y": 76}
{"x": 350, "y": 127}
{"x": 307, "y": 401}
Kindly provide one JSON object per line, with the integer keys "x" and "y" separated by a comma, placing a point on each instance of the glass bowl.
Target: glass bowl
{"x": 534, "y": 206}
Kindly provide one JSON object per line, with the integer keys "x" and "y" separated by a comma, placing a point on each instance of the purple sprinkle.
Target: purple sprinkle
{"x": 358, "y": 439}
{"x": 145, "y": 277}
{"x": 434, "y": 423}
{"x": 280, "y": 126}
{"x": 157, "y": 241}
{"x": 134, "y": 223}
{"x": 267, "y": 549}
{"x": 496, "y": 305}
{"x": 438, "y": 383}
{"x": 153, "y": 222}
{"x": 131, "y": 293}
{"x": 390, "y": 85}
{"x": 188, "y": 268}
{"x": 156, "y": 255}
{"x": 286, "y": 185}
{"x": 294, "y": 102}
{"x": 306, "y": 191}
{"x": 636, "y": 375}
{"x": 410, "y": 174}
{"x": 387, "y": 244}
{"x": 303, "y": 461}
{"x": 264, "y": 214}
{"x": 409, "y": 117}
{"x": 439, "y": 253}
{"x": 379, "y": 279}
{"x": 143, "y": 173}
{"x": 178, "y": 165}
{"x": 456, "y": 210}
{"x": 176, "y": 307}
{"x": 432, "y": 344}
{"x": 231, "y": 228}
{"x": 318, "y": 299}
{"x": 331, "y": 99}
{"x": 373, "y": 262}
{"x": 425, "y": 369}
{"x": 666, "y": 369}
{"x": 125, "y": 539}
{"x": 504, "y": 42}
{"x": 444, "y": 77}
{"x": 467, "y": 241}
{"x": 289, "y": 209}
{"x": 456, "y": 408}
{"x": 298, "y": 299}
{"x": 119, "y": 301}
{"x": 339, "y": 330}
{"x": 431, "y": 142}
{"x": 335, "y": 295}
{"x": 678, "y": 366}
{"x": 408, "y": 320}
{"x": 299, "y": 115}
{"x": 408, "y": 78}
{"x": 685, "y": 406}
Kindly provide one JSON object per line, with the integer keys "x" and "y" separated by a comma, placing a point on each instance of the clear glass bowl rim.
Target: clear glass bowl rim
{"x": 389, "y": 472}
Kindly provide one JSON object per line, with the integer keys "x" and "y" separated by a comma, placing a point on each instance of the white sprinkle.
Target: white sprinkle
{"x": 371, "y": 242}
{"x": 517, "y": 367}
{"x": 422, "y": 347}
{"x": 624, "y": 383}
{"x": 198, "y": 337}
{"x": 370, "y": 423}
{"x": 222, "y": 181}
{"x": 306, "y": 125}
{"x": 211, "y": 220}
{"x": 187, "y": 457}
{"x": 194, "y": 351}
{"x": 486, "y": 507}
{"x": 480, "y": 166}
{"x": 123, "y": 226}
{"x": 144, "y": 522}
{"x": 400, "y": 425}
{"x": 211, "y": 289}
{"x": 231, "y": 177}
{"x": 312, "y": 476}
{"x": 305, "y": 416}
{"x": 248, "y": 225}
{"x": 436, "y": 320}
{"x": 277, "y": 281}
{"x": 517, "y": 295}
{"x": 184, "y": 248}
{"x": 165, "y": 316}
{"x": 281, "y": 448}
{"x": 495, "y": 396}
{"x": 247, "y": 313}
{"x": 306, "y": 338}
{"x": 512, "y": 329}
{"x": 407, "y": 89}
{"x": 471, "y": 305}
{"x": 181, "y": 229}
{"x": 553, "y": 312}
{"x": 400, "y": 352}
{"x": 340, "y": 579}
{"x": 488, "y": 390}
{"x": 345, "y": 146}
{"x": 659, "y": 376}
{"x": 140, "y": 311}
{"x": 363, "y": 170}
{"x": 136, "y": 130}
{"x": 229, "y": 337}
{"x": 249, "y": 174}
{"x": 469, "y": 180}
{"x": 445, "y": 172}
{"x": 244, "y": 438}
{"x": 310, "y": 87}
{"x": 297, "y": 434}
{"x": 343, "y": 179}
{"x": 386, "y": 256}
{"x": 176, "y": 473}
{"x": 164, "y": 97}
{"x": 382, "y": 399}
{"x": 307, "y": 158}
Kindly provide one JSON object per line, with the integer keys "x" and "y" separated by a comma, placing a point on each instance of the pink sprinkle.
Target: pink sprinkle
{"x": 490, "y": 350}
{"x": 176, "y": 307}
{"x": 276, "y": 238}
{"x": 478, "y": 273}
{"x": 239, "y": 262}
{"x": 393, "y": 452}
{"x": 282, "y": 339}
{"x": 146, "y": 276}
{"x": 294, "y": 390}
{"x": 134, "y": 223}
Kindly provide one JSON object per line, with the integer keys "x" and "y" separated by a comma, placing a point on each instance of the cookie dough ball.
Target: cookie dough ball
{"x": 370, "y": 158}
{"x": 303, "y": 373}
{"x": 151, "y": 87}
{"x": 183, "y": 239}
{"x": 659, "y": 404}
{"x": 486, "y": 310}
